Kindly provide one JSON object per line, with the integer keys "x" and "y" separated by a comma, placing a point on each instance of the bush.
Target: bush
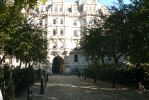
{"x": 123, "y": 74}
{"x": 23, "y": 79}
{"x": 17, "y": 80}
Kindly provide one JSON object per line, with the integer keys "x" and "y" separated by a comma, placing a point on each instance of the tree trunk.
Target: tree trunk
{"x": 20, "y": 64}
{"x": 95, "y": 74}
{"x": 25, "y": 64}
{"x": 1, "y": 60}
{"x": 103, "y": 62}
{"x": 29, "y": 64}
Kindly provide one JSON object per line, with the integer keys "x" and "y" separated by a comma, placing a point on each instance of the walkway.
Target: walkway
{"x": 74, "y": 88}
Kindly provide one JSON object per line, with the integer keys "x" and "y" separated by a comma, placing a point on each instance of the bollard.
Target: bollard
{"x": 29, "y": 94}
{"x": 95, "y": 78}
{"x": 47, "y": 77}
{"x": 45, "y": 80}
{"x": 84, "y": 77}
{"x": 41, "y": 86}
{"x": 79, "y": 74}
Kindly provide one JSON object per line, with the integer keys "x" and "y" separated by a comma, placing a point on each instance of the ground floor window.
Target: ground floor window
{"x": 75, "y": 58}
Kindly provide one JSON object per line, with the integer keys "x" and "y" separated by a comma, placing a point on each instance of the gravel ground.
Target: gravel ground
{"x": 61, "y": 87}
{"x": 74, "y": 88}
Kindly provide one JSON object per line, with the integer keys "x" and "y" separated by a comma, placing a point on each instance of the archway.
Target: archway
{"x": 58, "y": 65}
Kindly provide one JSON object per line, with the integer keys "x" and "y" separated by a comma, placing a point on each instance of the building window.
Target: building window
{"x": 75, "y": 58}
{"x": 92, "y": 22}
{"x": 61, "y": 8}
{"x": 74, "y": 9}
{"x": 62, "y": 47}
{"x": 61, "y": 32}
{"x": 84, "y": 21}
{"x": 75, "y": 22}
{"x": 54, "y": 32}
{"x": 56, "y": 8}
{"x": 61, "y": 21}
{"x": 54, "y": 21}
{"x": 75, "y": 33}
{"x": 40, "y": 22}
{"x": 70, "y": 9}
{"x": 54, "y": 47}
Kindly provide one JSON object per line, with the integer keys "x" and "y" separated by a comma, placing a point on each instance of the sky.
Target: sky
{"x": 106, "y": 2}
{"x": 111, "y": 2}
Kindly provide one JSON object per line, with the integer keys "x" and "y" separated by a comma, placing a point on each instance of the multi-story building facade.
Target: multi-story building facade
{"x": 64, "y": 22}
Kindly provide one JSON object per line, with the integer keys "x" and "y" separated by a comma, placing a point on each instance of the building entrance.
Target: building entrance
{"x": 58, "y": 65}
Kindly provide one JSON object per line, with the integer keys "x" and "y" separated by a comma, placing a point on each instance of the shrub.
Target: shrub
{"x": 17, "y": 80}
{"x": 23, "y": 79}
{"x": 124, "y": 74}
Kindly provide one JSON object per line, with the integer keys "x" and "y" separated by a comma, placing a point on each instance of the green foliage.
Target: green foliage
{"x": 123, "y": 75}
{"x": 18, "y": 37}
{"x": 15, "y": 81}
{"x": 139, "y": 40}
{"x": 93, "y": 44}
{"x": 23, "y": 79}
{"x": 123, "y": 32}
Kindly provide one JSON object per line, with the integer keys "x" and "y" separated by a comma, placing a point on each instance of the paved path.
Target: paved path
{"x": 74, "y": 88}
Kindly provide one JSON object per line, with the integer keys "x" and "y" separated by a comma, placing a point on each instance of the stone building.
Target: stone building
{"x": 64, "y": 20}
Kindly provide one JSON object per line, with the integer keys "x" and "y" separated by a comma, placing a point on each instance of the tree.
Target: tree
{"x": 139, "y": 40}
{"x": 117, "y": 31}
{"x": 29, "y": 43}
{"x": 19, "y": 38}
{"x": 18, "y": 33}
{"x": 93, "y": 43}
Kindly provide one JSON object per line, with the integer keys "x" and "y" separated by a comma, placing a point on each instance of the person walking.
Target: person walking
{"x": 139, "y": 71}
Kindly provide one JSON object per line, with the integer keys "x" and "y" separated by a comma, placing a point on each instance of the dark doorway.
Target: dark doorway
{"x": 58, "y": 65}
